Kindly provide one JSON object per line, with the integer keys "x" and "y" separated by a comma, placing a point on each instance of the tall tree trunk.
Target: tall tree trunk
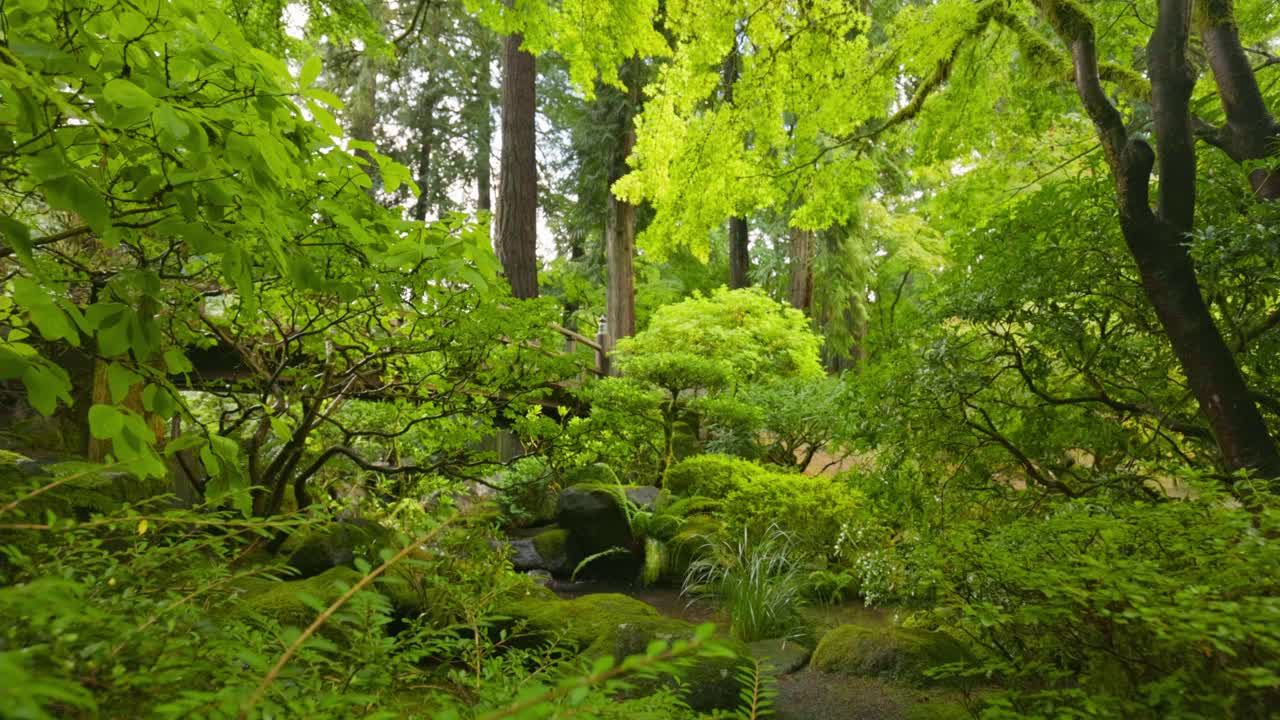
{"x": 362, "y": 117}
{"x": 620, "y": 231}
{"x": 517, "y": 222}
{"x": 1157, "y": 239}
{"x": 801, "y": 251}
{"x": 426, "y": 128}
{"x": 739, "y": 234}
{"x": 739, "y": 253}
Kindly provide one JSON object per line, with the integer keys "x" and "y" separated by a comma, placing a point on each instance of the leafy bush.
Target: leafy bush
{"x": 1169, "y": 610}
{"x": 752, "y": 336}
{"x": 758, "y": 582}
{"x": 713, "y": 476}
{"x": 814, "y": 510}
{"x": 528, "y": 493}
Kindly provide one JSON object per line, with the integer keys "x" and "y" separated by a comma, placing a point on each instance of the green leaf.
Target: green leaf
{"x": 17, "y": 235}
{"x": 166, "y": 118}
{"x": 70, "y": 192}
{"x": 119, "y": 380}
{"x": 125, "y": 94}
{"x": 310, "y": 71}
{"x": 176, "y": 361}
{"x": 105, "y": 422}
{"x": 45, "y": 386}
{"x": 53, "y": 323}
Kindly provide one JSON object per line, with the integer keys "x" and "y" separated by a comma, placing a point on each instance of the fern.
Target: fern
{"x": 758, "y": 691}
{"x": 615, "y": 550}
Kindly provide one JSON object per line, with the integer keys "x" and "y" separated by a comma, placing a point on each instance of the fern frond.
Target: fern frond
{"x": 615, "y": 550}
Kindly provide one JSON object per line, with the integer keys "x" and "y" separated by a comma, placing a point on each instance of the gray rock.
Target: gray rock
{"x": 782, "y": 656}
{"x": 644, "y": 496}
{"x": 592, "y": 516}
{"x": 524, "y": 556}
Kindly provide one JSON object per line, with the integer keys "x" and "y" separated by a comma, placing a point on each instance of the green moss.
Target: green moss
{"x": 610, "y": 624}
{"x": 551, "y": 544}
{"x": 713, "y": 476}
{"x": 938, "y": 710}
{"x": 891, "y": 652}
{"x": 96, "y": 492}
{"x": 283, "y": 601}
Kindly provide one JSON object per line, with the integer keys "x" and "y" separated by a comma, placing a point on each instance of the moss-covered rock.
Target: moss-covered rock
{"x": 892, "y": 652}
{"x": 553, "y": 547}
{"x": 596, "y": 519}
{"x": 337, "y": 545}
{"x": 284, "y": 601}
{"x": 92, "y": 492}
{"x": 610, "y": 624}
{"x": 713, "y": 476}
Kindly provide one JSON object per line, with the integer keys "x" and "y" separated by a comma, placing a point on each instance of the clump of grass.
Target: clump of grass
{"x": 759, "y": 583}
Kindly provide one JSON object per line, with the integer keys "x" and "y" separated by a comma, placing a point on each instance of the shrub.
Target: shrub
{"x": 814, "y": 510}
{"x": 713, "y": 476}
{"x": 1168, "y": 610}
{"x": 528, "y": 494}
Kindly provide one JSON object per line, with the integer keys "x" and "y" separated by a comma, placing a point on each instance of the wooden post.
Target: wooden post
{"x": 603, "y": 345}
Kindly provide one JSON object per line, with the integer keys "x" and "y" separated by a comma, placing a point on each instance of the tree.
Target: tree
{"x": 1157, "y": 237}
{"x": 517, "y": 221}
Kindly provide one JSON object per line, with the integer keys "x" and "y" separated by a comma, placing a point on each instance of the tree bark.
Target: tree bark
{"x": 362, "y": 118}
{"x": 739, "y": 253}
{"x": 427, "y": 141}
{"x": 1157, "y": 240}
{"x": 739, "y": 233}
{"x": 801, "y": 250}
{"x": 620, "y": 230}
{"x": 517, "y": 221}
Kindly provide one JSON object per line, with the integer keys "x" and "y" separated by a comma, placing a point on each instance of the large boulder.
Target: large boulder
{"x": 596, "y": 518}
{"x": 293, "y": 602}
{"x": 338, "y": 545}
{"x": 892, "y": 652}
{"x": 89, "y": 493}
{"x": 609, "y": 624}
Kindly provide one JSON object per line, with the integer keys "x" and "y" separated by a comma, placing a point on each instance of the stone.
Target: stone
{"x": 782, "y": 657}
{"x": 591, "y": 513}
{"x": 338, "y": 545}
{"x": 895, "y": 653}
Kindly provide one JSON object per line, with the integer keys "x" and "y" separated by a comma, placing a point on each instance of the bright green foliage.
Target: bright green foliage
{"x": 712, "y": 476}
{"x": 814, "y": 511}
{"x": 751, "y": 336}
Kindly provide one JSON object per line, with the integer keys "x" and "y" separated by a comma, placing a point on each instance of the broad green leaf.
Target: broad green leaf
{"x": 127, "y": 95}
{"x": 105, "y": 422}
{"x": 70, "y": 192}
{"x": 310, "y": 71}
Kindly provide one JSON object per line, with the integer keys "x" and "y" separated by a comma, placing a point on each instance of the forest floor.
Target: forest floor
{"x": 807, "y": 694}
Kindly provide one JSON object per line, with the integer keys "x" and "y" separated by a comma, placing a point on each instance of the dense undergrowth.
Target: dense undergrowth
{"x": 276, "y": 433}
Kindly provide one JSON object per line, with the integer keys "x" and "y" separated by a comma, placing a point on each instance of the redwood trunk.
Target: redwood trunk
{"x": 801, "y": 294}
{"x": 517, "y": 221}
